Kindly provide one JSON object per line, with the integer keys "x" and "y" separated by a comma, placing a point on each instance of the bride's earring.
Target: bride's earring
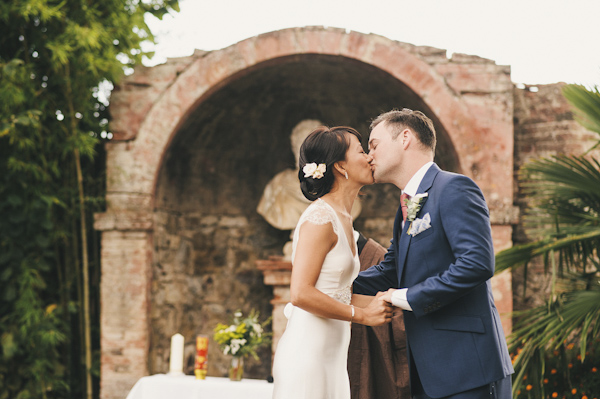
{"x": 346, "y": 174}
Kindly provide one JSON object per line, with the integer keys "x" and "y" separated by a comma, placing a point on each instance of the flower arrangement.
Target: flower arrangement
{"x": 243, "y": 336}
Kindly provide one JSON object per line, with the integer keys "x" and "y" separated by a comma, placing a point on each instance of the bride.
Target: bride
{"x": 311, "y": 356}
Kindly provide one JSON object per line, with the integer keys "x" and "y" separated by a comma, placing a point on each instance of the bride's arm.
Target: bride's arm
{"x": 314, "y": 242}
{"x": 362, "y": 301}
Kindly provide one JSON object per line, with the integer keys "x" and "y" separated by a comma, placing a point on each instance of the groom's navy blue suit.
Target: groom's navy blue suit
{"x": 455, "y": 338}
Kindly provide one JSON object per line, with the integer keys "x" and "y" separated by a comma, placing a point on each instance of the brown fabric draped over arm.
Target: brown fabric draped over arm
{"x": 377, "y": 363}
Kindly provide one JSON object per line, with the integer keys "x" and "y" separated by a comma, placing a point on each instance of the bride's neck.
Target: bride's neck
{"x": 341, "y": 202}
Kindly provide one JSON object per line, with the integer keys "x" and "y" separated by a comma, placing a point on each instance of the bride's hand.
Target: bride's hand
{"x": 378, "y": 312}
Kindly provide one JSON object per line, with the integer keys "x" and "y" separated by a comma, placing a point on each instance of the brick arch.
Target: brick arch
{"x": 470, "y": 97}
{"x": 215, "y": 69}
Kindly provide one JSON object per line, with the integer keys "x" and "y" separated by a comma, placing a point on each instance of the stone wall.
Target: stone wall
{"x": 197, "y": 139}
{"x": 544, "y": 126}
{"x": 203, "y": 271}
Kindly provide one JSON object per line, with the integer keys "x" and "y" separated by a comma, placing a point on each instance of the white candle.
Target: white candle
{"x": 176, "y": 362}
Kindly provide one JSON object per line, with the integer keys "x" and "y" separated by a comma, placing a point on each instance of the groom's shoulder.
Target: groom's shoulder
{"x": 450, "y": 185}
{"x": 446, "y": 176}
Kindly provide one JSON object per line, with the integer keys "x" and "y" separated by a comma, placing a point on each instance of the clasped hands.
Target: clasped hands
{"x": 386, "y": 295}
{"x": 380, "y": 310}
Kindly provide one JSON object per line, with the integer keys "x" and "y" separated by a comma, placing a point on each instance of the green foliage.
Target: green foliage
{"x": 566, "y": 374}
{"x": 540, "y": 336}
{"x": 587, "y": 106}
{"x": 53, "y": 56}
{"x": 563, "y": 217}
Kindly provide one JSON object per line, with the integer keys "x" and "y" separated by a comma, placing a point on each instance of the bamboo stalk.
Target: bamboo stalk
{"x": 86, "y": 279}
{"x": 84, "y": 243}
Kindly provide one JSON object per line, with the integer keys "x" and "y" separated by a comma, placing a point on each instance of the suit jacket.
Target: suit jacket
{"x": 377, "y": 362}
{"x": 455, "y": 338}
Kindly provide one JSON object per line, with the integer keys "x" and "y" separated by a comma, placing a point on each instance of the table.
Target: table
{"x": 163, "y": 386}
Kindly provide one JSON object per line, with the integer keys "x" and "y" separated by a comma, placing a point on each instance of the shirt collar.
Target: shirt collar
{"x": 414, "y": 182}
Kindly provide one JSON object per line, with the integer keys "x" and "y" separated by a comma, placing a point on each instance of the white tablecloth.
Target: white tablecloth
{"x": 162, "y": 386}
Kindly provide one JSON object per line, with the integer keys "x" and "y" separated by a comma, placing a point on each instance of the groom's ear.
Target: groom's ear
{"x": 407, "y": 137}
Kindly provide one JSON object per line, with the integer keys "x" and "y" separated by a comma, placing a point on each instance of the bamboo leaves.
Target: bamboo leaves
{"x": 53, "y": 56}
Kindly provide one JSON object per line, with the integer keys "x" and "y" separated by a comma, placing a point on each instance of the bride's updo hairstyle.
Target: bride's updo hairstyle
{"x": 327, "y": 146}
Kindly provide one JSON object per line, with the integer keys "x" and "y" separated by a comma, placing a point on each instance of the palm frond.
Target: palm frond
{"x": 563, "y": 215}
{"x": 586, "y": 103}
{"x": 571, "y": 317}
{"x": 519, "y": 255}
{"x": 563, "y": 176}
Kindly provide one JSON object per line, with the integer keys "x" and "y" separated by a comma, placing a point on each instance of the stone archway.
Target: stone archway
{"x": 169, "y": 119}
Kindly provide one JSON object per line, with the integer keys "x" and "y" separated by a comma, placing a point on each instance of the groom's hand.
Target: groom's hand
{"x": 378, "y": 312}
{"x": 387, "y": 295}
{"x": 397, "y": 297}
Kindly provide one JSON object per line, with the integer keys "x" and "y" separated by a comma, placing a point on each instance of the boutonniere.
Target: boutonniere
{"x": 414, "y": 205}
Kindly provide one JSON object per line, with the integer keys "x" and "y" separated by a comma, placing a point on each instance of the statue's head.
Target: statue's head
{"x": 300, "y": 132}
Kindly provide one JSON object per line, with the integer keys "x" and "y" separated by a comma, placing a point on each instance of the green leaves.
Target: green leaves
{"x": 563, "y": 220}
{"x": 11, "y": 69}
{"x": 9, "y": 348}
{"x": 587, "y": 105}
{"x": 28, "y": 118}
{"x": 572, "y": 319}
{"x": 31, "y": 9}
{"x": 564, "y": 212}
{"x": 53, "y": 56}
{"x": 13, "y": 90}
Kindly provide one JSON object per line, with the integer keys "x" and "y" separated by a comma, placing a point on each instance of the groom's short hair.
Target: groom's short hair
{"x": 416, "y": 121}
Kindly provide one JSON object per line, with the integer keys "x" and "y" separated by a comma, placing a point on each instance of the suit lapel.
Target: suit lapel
{"x": 397, "y": 226}
{"x": 403, "y": 243}
{"x": 404, "y": 239}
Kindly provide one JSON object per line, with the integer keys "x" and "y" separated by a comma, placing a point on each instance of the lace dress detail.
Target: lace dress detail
{"x": 344, "y": 295}
{"x": 319, "y": 212}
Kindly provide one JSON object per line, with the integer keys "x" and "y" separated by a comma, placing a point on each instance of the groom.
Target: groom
{"x": 438, "y": 267}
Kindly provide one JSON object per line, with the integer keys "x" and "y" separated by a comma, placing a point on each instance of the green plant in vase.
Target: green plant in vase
{"x": 240, "y": 339}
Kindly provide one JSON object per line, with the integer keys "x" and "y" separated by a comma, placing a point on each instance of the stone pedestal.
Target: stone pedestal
{"x": 277, "y": 272}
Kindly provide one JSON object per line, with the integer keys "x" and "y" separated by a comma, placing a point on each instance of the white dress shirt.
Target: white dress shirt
{"x": 399, "y": 296}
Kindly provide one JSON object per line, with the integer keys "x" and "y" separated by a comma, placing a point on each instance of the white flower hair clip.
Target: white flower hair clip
{"x": 314, "y": 171}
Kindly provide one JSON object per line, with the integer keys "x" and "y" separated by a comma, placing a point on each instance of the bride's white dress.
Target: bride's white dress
{"x": 311, "y": 356}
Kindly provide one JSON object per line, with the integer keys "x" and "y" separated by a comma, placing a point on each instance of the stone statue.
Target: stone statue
{"x": 282, "y": 201}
